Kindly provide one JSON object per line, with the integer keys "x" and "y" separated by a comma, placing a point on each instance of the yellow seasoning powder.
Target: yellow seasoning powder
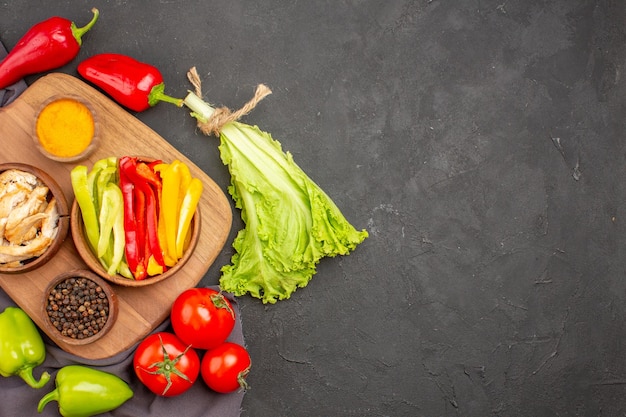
{"x": 65, "y": 127}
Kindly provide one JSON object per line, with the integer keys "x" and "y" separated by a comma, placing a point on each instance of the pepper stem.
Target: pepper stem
{"x": 158, "y": 94}
{"x": 79, "y": 32}
{"x": 27, "y": 375}
{"x": 51, "y": 396}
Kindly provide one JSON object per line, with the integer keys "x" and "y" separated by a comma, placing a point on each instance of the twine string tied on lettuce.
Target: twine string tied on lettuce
{"x": 223, "y": 115}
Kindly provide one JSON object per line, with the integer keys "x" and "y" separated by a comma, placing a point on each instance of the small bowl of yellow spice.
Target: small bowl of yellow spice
{"x": 66, "y": 129}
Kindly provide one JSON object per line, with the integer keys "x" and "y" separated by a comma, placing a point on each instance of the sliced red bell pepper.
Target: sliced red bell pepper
{"x": 140, "y": 220}
{"x": 153, "y": 164}
{"x": 149, "y": 184}
{"x": 133, "y": 245}
{"x": 146, "y": 172}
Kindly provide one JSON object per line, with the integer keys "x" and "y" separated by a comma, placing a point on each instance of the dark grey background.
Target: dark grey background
{"x": 481, "y": 144}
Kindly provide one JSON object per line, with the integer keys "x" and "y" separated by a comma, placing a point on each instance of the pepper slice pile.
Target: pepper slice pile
{"x": 136, "y": 214}
{"x": 178, "y": 209}
{"x": 100, "y": 201}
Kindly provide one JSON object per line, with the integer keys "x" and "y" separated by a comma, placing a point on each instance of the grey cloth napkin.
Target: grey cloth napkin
{"x": 19, "y": 400}
{"x": 10, "y": 93}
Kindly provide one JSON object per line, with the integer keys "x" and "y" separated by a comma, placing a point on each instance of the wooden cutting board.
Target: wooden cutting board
{"x": 142, "y": 309}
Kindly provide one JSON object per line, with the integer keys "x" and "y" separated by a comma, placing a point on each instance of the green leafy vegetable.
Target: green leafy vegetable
{"x": 290, "y": 223}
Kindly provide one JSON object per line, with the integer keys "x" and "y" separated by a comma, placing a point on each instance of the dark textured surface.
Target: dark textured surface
{"x": 481, "y": 143}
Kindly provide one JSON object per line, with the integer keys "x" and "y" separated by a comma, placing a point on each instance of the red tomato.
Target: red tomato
{"x": 225, "y": 368}
{"x": 202, "y": 317}
{"x": 165, "y": 364}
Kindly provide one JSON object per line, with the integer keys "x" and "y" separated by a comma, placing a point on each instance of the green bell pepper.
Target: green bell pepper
{"x": 21, "y": 347}
{"x": 111, "y": 211}
{"x": 88, "y": 187}
{"x": 84, "y": 197}
{"x": 103, "y": 220}
{"x": 83, "y": 392}
{"x": 105, "y": 177}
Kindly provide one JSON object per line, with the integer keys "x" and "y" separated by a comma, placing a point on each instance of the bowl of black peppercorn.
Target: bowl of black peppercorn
{"x": 79, "y": 307}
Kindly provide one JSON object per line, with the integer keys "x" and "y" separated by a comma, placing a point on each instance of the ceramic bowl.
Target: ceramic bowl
{"x": 83, "y": 299}
{"x": 70, "y": 120}
{"x": 89, "y": 257}
{"x": 62, "y": 224}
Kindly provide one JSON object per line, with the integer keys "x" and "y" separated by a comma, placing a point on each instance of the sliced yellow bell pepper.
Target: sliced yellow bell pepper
{"x": 153, "y": 267}
{"x": 169, "y": 261}
{"x": 185, "y": 179}
{"x": 179, "y": 201}
{"x": 171, "y": 178}
{"x": 188, "y": 207}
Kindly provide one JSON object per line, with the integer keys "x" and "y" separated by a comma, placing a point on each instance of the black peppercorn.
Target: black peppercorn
{"x": 78, "y": 307}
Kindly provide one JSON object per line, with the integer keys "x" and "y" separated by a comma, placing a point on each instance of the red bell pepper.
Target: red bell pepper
{"x": 149, "y": 183}
{"x": 139, "y": 207}
{"x": 145, "y": 207}
{"x": 134, "y": 247}
{"x": 49, "y": 44}
{"x": 133, "y": 84}
{"x": 146, "y": 171}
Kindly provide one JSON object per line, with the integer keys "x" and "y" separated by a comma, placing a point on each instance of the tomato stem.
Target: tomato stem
{"x": 167, "y": 367}
{"x": 241, "y": 378}
{"x": 219, "y": 301}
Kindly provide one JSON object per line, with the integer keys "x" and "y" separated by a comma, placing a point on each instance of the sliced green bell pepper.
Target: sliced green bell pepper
{"x": 84, "y": 197}
{"x": 103, "y": 221}
{"x": 111, "y": 219}
{"x": 94, "y": 177}
{"x": 83, "y": 392}
{"x": 105, "y": 176}
{"x": 21, "y": 347}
